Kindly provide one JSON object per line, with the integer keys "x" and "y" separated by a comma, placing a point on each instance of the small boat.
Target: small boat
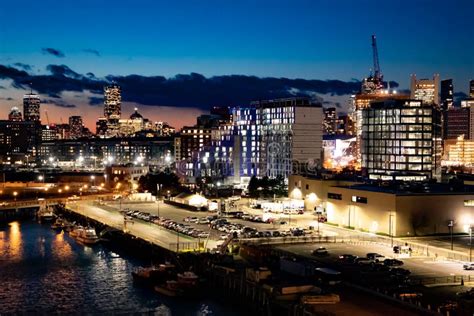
{"x": 58, "y": 225}
{"x": 187, "y": 285}
{"x": 188, "y": 279}
{"x": 45, "y": 214}
{"x": 86, "y": 236}
{"x": 154, "y": 274}
{"x": 170, "y": 288}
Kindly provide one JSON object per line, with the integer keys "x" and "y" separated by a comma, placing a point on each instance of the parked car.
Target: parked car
{"x": 363, "y": 261}
{"x": 393, "y": 262}
{"x": 468, "y": 266}
{"x": 375, "y": 257}
{"x": 321, "y": 251}
{"x": 347, "y": 258}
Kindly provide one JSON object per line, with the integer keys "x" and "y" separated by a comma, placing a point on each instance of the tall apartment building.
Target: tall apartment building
{"x": 18, "y": 141}
{"x": 459, "y": 122}
{"x": 290, "y": 135}
{"x": 75, "y": 127}
{"x": 425, "y": 90}
{"x": 447, "y": 94}
{"x": 401, "y": 140}
{"x": 31, "y": 107}
{"x": 330, "y": 121}
{"x": 112, "y": 108}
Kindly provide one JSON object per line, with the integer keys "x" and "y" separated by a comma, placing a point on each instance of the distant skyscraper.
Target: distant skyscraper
{"x": 471, "y": 89}
{"x": 31, "y": 107}
{"x": 458, "y": 122}
{"x": 101, "y": 127}
{"x": 112, "y": 101}
{"x": 446, "y": 94}
{"x": 75, "y": 127}
{"x": 426, "y": 90}
{"x": 15, "y": 115}
{"x": 330, "y": 121}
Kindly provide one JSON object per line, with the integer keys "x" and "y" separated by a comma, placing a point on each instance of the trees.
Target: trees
{"x": 166, "y": 180}
{"x": 267, "y": 187}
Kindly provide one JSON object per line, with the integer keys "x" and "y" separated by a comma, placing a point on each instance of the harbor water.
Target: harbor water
{"x": 44, "y": 271}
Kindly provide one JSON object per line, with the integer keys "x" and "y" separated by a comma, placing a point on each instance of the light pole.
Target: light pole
{"x": 450, "y": 226}
{"x": 15, "y": 194}
{"x": 470, "y": 243}
{"x": 390, "y": 228}
{"x": 158, "y": 198}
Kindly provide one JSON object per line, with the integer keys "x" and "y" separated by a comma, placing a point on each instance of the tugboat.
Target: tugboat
{"x": 187, "y": 285}
{"x": 154, "y": 274}
{"x": 86, "y": 236}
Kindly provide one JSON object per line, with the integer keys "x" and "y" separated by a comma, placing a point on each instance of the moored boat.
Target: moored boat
{"x": 86, "y": 236}
{"x": 45, "y": 214}
{"x": 187, "y": 285}
{"x": 154, "y": 274}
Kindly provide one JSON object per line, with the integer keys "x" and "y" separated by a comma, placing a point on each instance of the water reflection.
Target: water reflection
{"x": 14, "y": 241}
{"x": 45, "y": 272}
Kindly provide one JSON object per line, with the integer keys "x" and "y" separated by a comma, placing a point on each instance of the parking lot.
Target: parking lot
{"x": 208, "y": 225}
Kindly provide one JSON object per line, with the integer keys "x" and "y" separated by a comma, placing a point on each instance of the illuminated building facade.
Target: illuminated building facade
{"x": 425, "y": 90}
{"x": 112, "y": 108}
{"x": 15, "y": 115}
{"x": 31, "y": 107}
{"x": 75, "y": 127}
{"x": 458, "y": 123}
{"x": 330, "y": 121}
{"x": 362, "y": 101}
{"x": 447, "y": 94}
{"x": 291, "y": 135}
{"x": 459, "y": 153}
{"x": 401, "y": 140}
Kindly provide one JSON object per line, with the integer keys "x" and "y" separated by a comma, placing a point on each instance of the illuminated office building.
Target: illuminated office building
{"x": 31, "y": 107}
{"x": 425, "y": 90}
{"x": 401, "y": 140}
{"x": 75, "y": 127}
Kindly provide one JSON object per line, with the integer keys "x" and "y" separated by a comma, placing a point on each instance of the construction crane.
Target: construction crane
{"x": 377, "y": 73}
{"x": 47, "y": 117}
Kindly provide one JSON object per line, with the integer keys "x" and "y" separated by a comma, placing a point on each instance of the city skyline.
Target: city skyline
{"x": 183, "y": 41}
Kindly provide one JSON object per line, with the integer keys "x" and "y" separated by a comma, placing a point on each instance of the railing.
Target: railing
{"x": 187, "y": 246}
{"x": 448, "y": 279}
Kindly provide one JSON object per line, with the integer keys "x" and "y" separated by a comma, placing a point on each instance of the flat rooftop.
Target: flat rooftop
{"x": 414, "y": 188}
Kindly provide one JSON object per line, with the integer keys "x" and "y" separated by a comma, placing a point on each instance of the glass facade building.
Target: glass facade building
{"x": 401, "y": 140}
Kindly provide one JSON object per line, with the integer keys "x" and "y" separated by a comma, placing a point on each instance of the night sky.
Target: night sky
{"x": 97, "y": 41}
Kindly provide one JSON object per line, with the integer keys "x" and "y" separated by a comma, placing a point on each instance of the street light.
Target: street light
{"x": 390, "y": 228}
{"x": 15, "y": 194}
{"x": 470, "y": 243}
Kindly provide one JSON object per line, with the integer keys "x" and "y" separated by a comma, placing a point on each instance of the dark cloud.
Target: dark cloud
{"x": 92, "y": 51}
{"x": 183, "y": 90}
{"x": 63, "y": 70}
{"x": 53, "y": 51}
{"x": 23, "y": 66}
{"x": 58, "y": 103}
{"x": 96, "y": 101}
{"x": 2, "y": 87}
{"x": 7, "y": 98}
